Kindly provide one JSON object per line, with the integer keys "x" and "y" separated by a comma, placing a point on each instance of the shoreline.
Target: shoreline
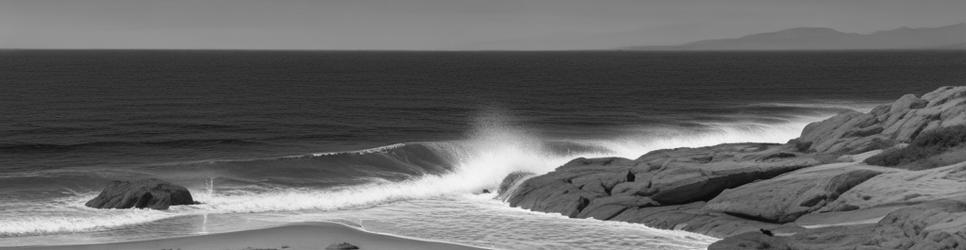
{"x": 309, "y": 235}
{"x": 880, "y": 179}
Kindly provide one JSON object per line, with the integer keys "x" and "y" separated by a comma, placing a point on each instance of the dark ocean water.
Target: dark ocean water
{"x": 87, "y": 108}
{"x": 262, "y": 123}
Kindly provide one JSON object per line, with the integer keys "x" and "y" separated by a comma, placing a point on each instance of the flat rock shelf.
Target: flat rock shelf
{"x": 826, "y": 189}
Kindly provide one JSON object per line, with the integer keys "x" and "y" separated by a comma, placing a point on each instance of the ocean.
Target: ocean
{"x": 400, "y": 143}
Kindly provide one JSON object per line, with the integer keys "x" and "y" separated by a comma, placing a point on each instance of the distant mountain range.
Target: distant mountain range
{"x": 945, "y": 37}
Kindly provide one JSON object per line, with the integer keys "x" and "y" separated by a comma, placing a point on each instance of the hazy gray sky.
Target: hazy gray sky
{"x": 438, "y": 24}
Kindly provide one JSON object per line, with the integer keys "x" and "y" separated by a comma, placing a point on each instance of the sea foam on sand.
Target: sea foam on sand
{"x": 315, "y": 235}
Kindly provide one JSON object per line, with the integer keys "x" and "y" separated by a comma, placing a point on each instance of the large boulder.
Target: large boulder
{"x": 143, "y": 193}
{"x": 887, "y": 125}
{"x": 552, "y": 196}
{"x": 571, "y": 187}
{"x": 784, "y": 198}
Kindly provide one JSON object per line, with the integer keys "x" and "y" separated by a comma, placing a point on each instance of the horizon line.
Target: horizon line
{"x": 467, "y": 50}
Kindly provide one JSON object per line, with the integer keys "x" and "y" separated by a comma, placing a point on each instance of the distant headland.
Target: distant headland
{"x": 950, "y": 37}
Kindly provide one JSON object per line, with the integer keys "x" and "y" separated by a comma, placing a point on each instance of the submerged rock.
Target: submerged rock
{"x": 143, "y": 193}
{"x": 751, "y": 240}
{"x": 342, "y": 246}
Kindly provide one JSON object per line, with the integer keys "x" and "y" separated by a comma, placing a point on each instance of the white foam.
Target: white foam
{"x": 69, "y": 215}
{"x": 826, "y": 104}
{"x": 381, "y": 149}
{"x": 493, "y": 150}
{"x": 481, "y": 221}
{"x": 482, "y": 161}
{"x": 644, "y": 140}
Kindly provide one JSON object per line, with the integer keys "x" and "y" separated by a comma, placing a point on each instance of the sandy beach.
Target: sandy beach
{"x": 316, "y": 235}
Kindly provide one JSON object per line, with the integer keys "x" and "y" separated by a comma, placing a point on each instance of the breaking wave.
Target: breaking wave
{"x": 364, "y": 178}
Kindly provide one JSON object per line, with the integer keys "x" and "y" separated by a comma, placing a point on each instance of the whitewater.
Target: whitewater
{"x": 435, "y": 192}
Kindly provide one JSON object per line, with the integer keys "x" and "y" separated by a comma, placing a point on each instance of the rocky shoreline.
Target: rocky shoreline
{"x": 893, "y": 178}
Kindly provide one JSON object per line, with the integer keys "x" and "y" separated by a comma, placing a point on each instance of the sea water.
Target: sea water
{"x": 393, "y": 142}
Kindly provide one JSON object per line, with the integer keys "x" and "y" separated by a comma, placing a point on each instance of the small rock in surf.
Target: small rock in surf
{"x": 143, "y": 193}
{"x": 341, "y": 246}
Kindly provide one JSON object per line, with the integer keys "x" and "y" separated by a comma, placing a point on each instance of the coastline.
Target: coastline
{"x": 890, "y": 178}
{"x": 822, "y": 190}
{"x": 314, "y": 235}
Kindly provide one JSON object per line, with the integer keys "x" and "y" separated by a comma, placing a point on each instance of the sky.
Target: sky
{"x": 438, "y": 24}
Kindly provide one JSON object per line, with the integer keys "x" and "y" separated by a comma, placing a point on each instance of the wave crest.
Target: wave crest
{"x": 494, "y": 149}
